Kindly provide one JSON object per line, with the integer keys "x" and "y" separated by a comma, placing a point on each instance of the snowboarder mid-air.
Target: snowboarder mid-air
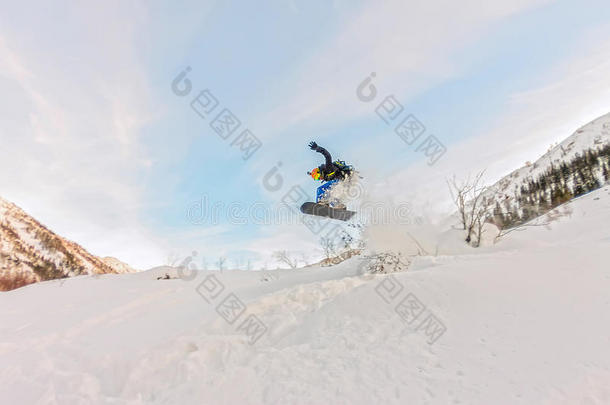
{"x": 331, "y": 173}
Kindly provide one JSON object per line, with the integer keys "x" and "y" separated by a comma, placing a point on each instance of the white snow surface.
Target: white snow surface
{"x": 527, "y": 322}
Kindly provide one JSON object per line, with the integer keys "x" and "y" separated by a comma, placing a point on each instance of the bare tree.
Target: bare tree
{"x": 472, "y": 205}
{"x": 221, "y": 263}
{"x": 305, "y": 259}
{"x": 544, "y": 221}
{"x": 420, "y": 250}
{"x": 482, "y": 215}
{"x": 172, "y": 259}
{"x": 459, "y": 194}
{"x": 475, "y": 206}
{"x": 282, "y": 256}
{"x": 328, "y": 247}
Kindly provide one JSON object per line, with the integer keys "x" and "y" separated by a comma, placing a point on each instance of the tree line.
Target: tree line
{"x": 585, "y": 172}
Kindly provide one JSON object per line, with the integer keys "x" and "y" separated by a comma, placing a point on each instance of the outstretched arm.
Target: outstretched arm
{"x": 319, "y": 149}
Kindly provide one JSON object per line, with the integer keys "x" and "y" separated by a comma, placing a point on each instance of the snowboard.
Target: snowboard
{"x": 321, "y": 210}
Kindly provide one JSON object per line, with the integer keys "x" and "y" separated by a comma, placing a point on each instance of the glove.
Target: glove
{"x": 313, "y": 145}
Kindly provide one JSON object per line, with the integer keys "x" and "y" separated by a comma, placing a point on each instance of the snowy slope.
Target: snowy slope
{"x": 29, "y": 252}
{"x": 527, "y": 322}
{"x": 592, "y": 135}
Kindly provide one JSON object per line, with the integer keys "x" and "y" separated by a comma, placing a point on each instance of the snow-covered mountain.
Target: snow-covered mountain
{"x": 593, "y": 135}
{"x": 29, "y": 252}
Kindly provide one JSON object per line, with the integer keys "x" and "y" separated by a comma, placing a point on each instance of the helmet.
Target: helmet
{"x": 315, "y": 173}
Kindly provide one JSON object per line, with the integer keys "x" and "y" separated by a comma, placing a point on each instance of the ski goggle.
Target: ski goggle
{"x": 315, "y": 174}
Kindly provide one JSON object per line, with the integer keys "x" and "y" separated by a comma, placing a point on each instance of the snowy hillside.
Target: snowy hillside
{"x": 29, "y": 252}
{"x": 593, "y": 135}
{"x": 526, "y": 321}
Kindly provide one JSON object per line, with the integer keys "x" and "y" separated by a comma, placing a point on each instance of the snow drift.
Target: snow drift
{"x": 525, "y": 322}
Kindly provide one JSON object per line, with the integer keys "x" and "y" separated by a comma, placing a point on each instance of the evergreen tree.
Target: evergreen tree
{"x": 543, "y": 205}
{"x": 498, "y": 216}
{"x": 579, "y": 183}
{"x": 555, "y": 186}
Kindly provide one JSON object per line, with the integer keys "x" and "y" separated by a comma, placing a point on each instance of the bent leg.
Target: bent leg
{"x": 323, "y": 190}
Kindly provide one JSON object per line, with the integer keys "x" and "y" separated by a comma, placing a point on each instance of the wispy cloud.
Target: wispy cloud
{"x": 408, "y": 44}
{"x": 72, "y": 152}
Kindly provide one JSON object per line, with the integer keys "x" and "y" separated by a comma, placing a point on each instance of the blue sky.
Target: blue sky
{"x": 98, "y": 147}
